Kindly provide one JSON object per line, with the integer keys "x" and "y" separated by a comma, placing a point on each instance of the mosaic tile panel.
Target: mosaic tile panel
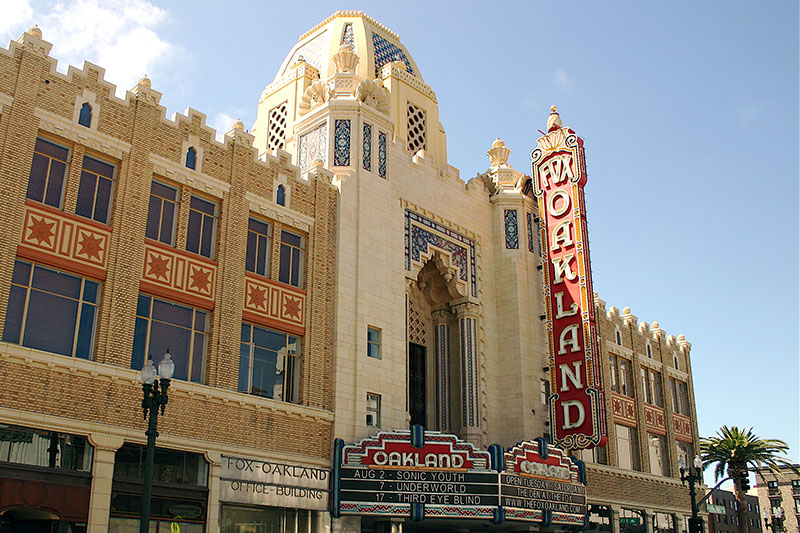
{"x": 341, "y": 143}
{"x": 313, "y": 146}
{"x": 386, "y": 52}
{"x": 179, "y": 275}
{"x": 442, "y": 377}
{"x": 347, "y": 35}
{"x": 381, "y": 154}
{"x": 469, "y": 392}
{"x": 366, "y": 153}
{"x": 274, "y": 304}
{"x": 311, "y": 52}
{"x": 512, "y": 229}
{"x": 421, "y": 231}
{"x": 64, "y": 240}
{"x": 531, "y": 234}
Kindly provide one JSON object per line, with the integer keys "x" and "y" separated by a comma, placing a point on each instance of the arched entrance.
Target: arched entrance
{"x": 443, "y": 383}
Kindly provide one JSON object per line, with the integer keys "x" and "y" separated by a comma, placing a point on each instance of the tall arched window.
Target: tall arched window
{"x": 191, "y": 158}
{"x": 85, "y": 116}
{"x": 619, "y": 338}
{"x": 280, "y": 196}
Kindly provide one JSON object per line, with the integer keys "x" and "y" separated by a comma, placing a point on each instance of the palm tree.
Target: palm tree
{"x": 737, "y": 451}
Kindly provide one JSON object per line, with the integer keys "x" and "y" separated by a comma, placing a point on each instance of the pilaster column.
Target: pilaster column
{"x": 648, "y": 520}
{"x": 468, "y": 350}
{"x": 442, "y": 370}
{"x": 615, "y": 510}
{"x": 214, "y": 471}
{"x": 105, "y": 448}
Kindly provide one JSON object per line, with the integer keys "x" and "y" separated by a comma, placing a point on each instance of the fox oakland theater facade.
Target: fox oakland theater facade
{"x": 374, "y": 343}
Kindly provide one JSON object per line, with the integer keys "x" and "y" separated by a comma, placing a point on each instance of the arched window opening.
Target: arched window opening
{"x": 619, "y": 338}
{"x": 85, "y": 116}
{"x": 281, "y": 195}
{"x": 191, "y": 158}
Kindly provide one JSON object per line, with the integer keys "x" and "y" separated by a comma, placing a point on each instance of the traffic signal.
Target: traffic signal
{"x": 744, "y": 482}
{"x": 695, "y": 525}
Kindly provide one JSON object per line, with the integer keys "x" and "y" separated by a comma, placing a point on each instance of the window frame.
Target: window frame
{"x": 203, "y": 239}
{"x": 176, "y": 204}
{"x": 83, "y": 333}
{"x": 97, "y": 177}
{"x": 48, "y": 178}
{"x": 266, "y": 253}
{"x": 374, "y": 343}
{"x": 291, "y": 364}
{"x": 193, "y": 374}
{"x": 374, "y": 411}
{"x": 295, "y": 253}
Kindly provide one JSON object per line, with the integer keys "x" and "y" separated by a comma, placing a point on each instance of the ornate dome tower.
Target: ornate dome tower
{"x": 345, "y": 91}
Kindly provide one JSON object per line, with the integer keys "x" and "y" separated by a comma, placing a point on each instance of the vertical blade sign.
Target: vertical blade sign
{"x": 577, "y": 411}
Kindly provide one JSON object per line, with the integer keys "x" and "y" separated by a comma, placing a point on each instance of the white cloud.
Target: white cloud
{"x": 562, "y": 80}
{"x": 15, "y": 16}
{"x": 222, "y": 122}
{"x": 118, "y": 35}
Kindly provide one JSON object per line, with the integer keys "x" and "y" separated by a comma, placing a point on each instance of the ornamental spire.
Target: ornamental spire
{"x": 554, "y": 120}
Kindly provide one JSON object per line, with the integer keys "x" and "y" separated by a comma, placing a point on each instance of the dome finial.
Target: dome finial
{"x": 554, "y": 120}
{"x": 238, "y": 124}
{"x": 35, "y": 31}
{"x": 144, "y": 81}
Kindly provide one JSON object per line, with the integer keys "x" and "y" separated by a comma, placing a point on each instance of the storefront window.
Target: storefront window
{"x": 48, "y": 449}
{"x": 663, "y": 523}
{"x": 246, "y": 519}
{"x": 599, "y": 518}
{"x": 170, "y": 466}
{"x": 631, "y": 521}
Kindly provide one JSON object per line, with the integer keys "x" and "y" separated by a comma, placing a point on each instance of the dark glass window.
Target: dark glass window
{"x": 48, "y": 171}
{"x": 268, "y": 363}
{"x": 94, "y": 192}
{"x": 258, "y": 246}
{"x": 373, "y": 342}
{"x": 191, "y": 158}
{"x": 621, "y": 375}
{"x": 280, "y": 195}
{"x": 170, "y": 466}
{"x": 162, "y": 212}
{"x": 162, "y": 326}
{"x": 51, "y": 310}
{"x": 202, "y": 227}
{"x": 34, "y": 447}
{"x": 291, "y": 259}
{"x": 651, "y": 387}
{"x": 85, "y": 116}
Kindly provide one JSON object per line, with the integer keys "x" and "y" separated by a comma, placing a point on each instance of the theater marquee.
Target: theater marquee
{"x": 430, "y": 475}
{"x": 577, "y": 413}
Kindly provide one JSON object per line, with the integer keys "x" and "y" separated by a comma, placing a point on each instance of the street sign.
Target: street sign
{"x": 629, "y": 521}
{"x": 716, "y": 509}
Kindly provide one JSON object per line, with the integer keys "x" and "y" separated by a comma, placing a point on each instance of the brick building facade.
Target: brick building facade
{"x": 728, "y": 522}
{"x": 418, "y": 298}
{"x": 779, "y": 496}
{"x": 127, "y": 234}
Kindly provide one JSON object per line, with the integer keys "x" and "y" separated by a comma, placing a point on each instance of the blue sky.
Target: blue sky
{"x": 689, "y": 111}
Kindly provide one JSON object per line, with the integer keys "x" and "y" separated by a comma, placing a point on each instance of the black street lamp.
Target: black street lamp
{"x": 694, "y": 476}
{"x": 777, "y": 520}
{"x": 154, "y": 398}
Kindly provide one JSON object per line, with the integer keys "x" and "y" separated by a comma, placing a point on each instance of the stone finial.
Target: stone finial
{"x": 554, "y": 120}
{"x": 144, "y": 81}
{"x": 626, "y": 310}
{"x": 35, "y": 31}
{"x": 238, "y": 124}
{"x": 345, "y": 59}
{"x": 498, "y": 153}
